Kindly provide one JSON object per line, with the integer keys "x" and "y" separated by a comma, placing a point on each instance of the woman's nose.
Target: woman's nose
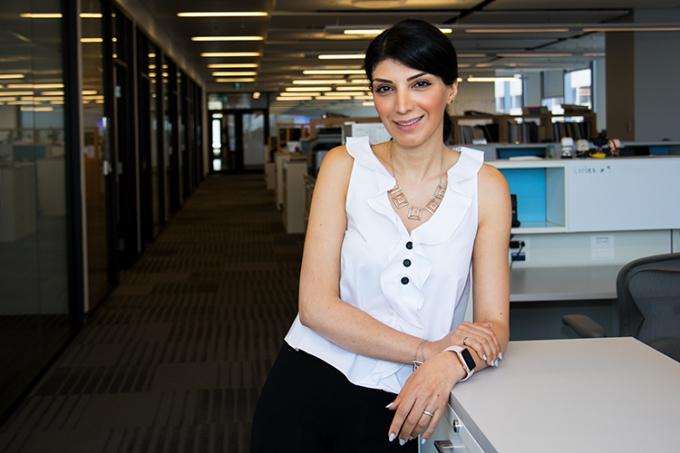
{"x": 404, "y": 101}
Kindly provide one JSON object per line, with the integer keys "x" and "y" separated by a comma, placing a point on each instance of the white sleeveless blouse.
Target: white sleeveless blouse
{"x": 416, "y": 283}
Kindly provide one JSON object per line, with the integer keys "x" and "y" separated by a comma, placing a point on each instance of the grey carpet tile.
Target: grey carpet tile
{"x": 175, "y": 359}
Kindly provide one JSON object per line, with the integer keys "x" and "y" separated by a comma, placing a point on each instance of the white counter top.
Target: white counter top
{"x": 587, "y": 395}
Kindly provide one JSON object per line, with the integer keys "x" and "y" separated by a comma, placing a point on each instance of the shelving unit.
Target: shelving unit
{"x": 531, "y": 128}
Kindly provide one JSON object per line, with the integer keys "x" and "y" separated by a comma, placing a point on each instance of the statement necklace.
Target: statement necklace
{"x": 399, "y": 200}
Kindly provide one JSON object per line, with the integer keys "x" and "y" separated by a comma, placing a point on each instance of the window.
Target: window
{"x": 578, "y": 88}
{"x": 509, "y": 96}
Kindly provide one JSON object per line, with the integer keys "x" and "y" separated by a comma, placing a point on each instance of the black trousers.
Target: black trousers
{"x": 307, "y": 405}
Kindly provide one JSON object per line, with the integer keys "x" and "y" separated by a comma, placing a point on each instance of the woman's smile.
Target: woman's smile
{"x": 409, "y": 124}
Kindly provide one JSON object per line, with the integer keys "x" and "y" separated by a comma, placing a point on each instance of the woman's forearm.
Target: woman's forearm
{"x": 355, "y": 330}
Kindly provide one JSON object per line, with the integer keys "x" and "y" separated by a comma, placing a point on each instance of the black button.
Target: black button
{"x": 407, "y": 262}
{"x": 404, "y": 280}
{"x": 409, "y": 245}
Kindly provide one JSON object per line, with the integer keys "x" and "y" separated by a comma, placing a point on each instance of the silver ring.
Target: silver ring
{"x": 465, "y": 340}
{"x": 428, "y": 413}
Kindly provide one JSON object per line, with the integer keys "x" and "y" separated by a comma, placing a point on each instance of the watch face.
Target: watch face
{"x": 469, "y": 361}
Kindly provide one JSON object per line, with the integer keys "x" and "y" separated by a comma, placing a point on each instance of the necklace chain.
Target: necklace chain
{"x": 399, "y": 200}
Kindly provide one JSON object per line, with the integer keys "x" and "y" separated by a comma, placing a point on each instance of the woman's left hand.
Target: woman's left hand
{"x": 426, "y": 392}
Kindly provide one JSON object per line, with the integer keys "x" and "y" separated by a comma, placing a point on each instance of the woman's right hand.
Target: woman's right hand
{"x": 476, "y": 335}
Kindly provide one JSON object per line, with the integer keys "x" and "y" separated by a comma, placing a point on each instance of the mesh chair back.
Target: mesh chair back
{"x": 648, "y": 292}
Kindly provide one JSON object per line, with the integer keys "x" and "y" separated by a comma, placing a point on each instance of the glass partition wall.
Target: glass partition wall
{"x": 34, "y": 280}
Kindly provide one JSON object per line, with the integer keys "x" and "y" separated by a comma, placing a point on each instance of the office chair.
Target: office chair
{"x": 648, "y": 303}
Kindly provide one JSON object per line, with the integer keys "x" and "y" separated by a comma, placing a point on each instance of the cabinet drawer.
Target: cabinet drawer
{"x": 451, "y": 436}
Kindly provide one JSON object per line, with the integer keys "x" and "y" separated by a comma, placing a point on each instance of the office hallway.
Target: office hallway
{"x": 174, "y": 359}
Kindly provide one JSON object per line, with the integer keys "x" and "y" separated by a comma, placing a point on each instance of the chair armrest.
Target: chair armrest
{"x": 584, "y": 326}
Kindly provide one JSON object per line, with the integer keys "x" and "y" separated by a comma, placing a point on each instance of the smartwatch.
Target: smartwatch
{"x": 465, "y": 359}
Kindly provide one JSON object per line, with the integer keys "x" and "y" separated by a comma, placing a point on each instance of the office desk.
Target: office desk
{"x": 587, "y": 395}
{"x": 563, "y": 283}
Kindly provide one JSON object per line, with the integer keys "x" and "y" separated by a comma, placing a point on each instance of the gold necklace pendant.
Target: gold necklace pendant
{"x": 399, "y": 200}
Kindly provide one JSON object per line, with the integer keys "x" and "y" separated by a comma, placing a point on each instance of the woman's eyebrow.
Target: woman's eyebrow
{"x": 420, "y": 74}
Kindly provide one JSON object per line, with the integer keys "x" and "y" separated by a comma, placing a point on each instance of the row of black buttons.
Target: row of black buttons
{"x": 407, "y": 263}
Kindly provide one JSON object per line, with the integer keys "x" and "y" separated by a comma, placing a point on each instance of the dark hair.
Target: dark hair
{"x": 418, "y": 45}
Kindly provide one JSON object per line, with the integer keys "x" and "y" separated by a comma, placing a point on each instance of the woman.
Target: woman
{"x": 393, "y": 233}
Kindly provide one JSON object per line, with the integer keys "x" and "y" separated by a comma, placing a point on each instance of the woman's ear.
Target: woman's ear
{"x": 453, "y": 91}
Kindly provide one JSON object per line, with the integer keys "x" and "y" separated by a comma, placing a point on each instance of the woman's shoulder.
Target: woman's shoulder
{"x": 491, "y": 179}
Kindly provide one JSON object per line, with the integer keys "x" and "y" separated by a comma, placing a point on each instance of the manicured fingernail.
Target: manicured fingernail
{"x": 392, "y": 437}
{"x": 389, "y": 405}
{"x": 422, "y": 441}
{"x": 402, "y": 442}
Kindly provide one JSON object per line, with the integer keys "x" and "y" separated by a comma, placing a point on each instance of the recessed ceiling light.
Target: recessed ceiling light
{"x": 334, "y": 98}
{"x": 256, "y": 95}
{"x": 633, "y": 29}
{"x": 292, "y": 94}
{"x": 232, "y": 65}
{"x": 321, "y": 82}
{"x": 296, "y": 89}
{"x": 11, "y": 76}
{"x": 299, "y": 98}
{"x": 333, "y": 71}
{"x": 226, "y": 38}
{"x": 230, "y": 54}
{"x": 352, "y": 88}
{"x": 58, "y": 15}
{"x": 342, "y": 56}
{"x": 344, "y": 93}
{"x": 223, "y": 14}
{"x": 491, "y": 79}
{"x": 233, "y": 73}
{"x": 516, "y": 30}
{"x": 377, "y": 31}
{"x": 534, "y": 54}
{"x": 236, "y": 79}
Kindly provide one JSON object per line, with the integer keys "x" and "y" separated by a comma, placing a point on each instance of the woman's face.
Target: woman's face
{"x": 410, "y": 102}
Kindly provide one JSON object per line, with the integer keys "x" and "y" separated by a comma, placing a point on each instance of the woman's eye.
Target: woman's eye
{"x": 422, "y": 84}
{"x": 382, "y": 89}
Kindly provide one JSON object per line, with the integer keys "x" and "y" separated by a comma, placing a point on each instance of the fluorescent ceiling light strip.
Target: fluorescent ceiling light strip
{"x": 298, "y": 98}
{"x": 234, "y": 73}
{"x": 58, "y": 15}
{"x": 292, "y": 94}
{"x": 52, "y": 93}
{"x": 28, "y": 86}
{"x": 471, "y": 55}
{"x": 516, "y": 30}
{"x": 320, "y": 82}
{"x": 16, "y": 93}
{"x": 377, "y": 31}
{"x": 534, "y": 54}
{"x": 352, "y": 88}
{"x": 223, "y": 14}
{"x": 315, "y": 88}
{"x": 11, "y": 76}
{"x": 364, "y": 81}
{"x": 342, "y": 56}
{"x": 236, "y": 79}
{"x": 333, "y": 71}
{"x": 626, "y": 29}
{"x": 594, "y": 54}
{"x": 368, "y": 104}
{"x": 363, "y": 98}
{"x": 230, "y": 54}
{"x": 491, "y": 79}
{"x": 36, "y": 109}
{"x": 226, "y": 38}
{"x": 232, "y": 65}
{"x": 345, "y": 93}
{"x": 92, "y": 40}
{"x": 334, "y": 98}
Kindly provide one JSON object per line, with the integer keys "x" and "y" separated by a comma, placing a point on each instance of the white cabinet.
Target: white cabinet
{"x": 294, "y": 195}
